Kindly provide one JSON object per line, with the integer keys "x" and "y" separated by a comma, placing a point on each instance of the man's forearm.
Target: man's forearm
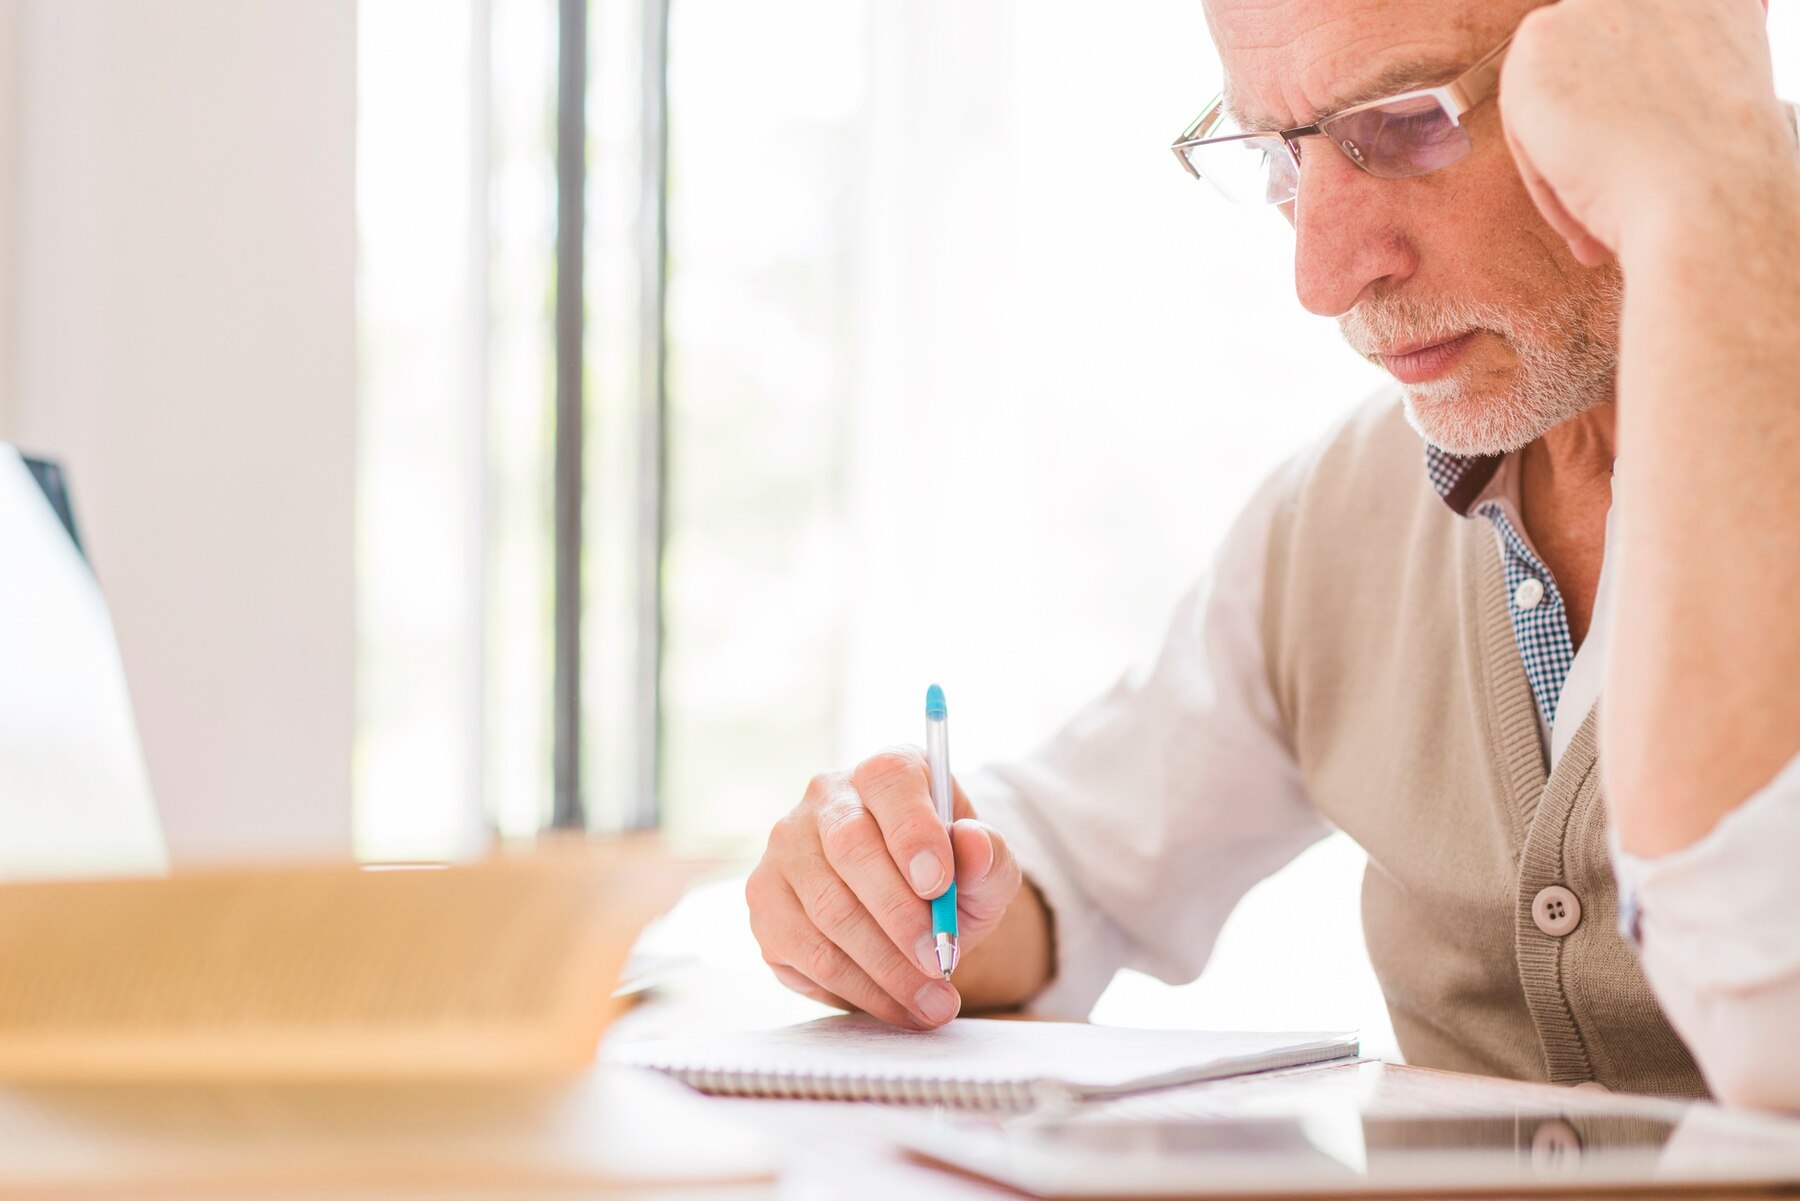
{"x": 1014, "y": 963}
{"x": 1703, "y": 682}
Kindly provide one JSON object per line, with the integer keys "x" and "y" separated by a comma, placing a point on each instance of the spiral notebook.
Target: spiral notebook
{"x": 972, "y": 1063}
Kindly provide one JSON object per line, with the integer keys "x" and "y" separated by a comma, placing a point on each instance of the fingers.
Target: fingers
{"x": 838, "y": 915}
{"x": 855, "y": 849}
{"x": 1587, "y": 249}
{"x": 790, "y": 938}
{"x": 831, "y": 904}
{"x": 895, "y": 787}
{"x": 813, "y": 922}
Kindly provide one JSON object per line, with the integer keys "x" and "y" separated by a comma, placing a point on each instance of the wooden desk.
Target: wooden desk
{"x": 607, "y": 1134}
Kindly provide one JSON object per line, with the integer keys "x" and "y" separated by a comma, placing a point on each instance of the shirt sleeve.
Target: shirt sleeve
{"x": 1717, "y": 927}
{"x": 1146, "y": 818}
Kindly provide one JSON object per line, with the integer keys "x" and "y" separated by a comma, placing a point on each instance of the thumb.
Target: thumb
{"x": 987, "y": 875}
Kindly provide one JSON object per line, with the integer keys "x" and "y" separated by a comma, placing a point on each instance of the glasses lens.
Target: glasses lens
{"x": 1400, "y": 139}
{"x": 1249, "y": 169}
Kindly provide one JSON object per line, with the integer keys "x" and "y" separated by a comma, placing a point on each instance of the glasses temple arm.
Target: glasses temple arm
{"x": 1479, "y": 81}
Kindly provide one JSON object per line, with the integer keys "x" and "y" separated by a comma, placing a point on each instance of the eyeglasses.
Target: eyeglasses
{"x": 1411, "y": 134}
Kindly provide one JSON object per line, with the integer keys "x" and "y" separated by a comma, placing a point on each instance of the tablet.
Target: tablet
{"x": 1350, "y": 1148}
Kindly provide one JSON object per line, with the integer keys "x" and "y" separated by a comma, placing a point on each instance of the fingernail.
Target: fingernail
{"x": 926, "y": 874}
{"x": 938, "y": 1002}
{"x": 925, "y": 951}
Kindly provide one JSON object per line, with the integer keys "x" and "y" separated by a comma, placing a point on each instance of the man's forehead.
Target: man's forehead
{"x": 1289, "y": 62}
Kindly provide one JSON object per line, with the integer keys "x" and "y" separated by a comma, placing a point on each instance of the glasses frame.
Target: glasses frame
{"x": 1456, "y": 98}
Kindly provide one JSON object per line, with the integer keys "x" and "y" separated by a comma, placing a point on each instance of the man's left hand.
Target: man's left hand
{"x": 1625, "y": 112}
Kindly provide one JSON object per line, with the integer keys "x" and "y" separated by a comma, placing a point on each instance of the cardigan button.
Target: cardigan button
{"x": 1555, "y": 1148}
{"x": 1556, "y": 911}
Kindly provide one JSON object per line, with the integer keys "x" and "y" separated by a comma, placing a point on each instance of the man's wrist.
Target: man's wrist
{"x": 1745, "y": 200}
{"x": 1016, "y": 961}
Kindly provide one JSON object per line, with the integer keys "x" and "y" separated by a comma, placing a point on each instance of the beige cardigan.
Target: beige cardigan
{"x": 1393, "y": 663}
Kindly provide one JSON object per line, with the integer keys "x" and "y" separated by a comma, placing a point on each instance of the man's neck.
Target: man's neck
{"x": 1565, "y": 484}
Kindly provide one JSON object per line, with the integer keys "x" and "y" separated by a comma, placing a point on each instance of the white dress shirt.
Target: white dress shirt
{"x": 1165, "y": 799}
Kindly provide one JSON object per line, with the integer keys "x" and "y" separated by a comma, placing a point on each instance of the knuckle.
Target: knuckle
{"x": 821, "y": 786}
{"x": 918, "y": 829}
{"x": 898, "y": 793}
{"x": 910, "y": 837}
{"x": 1004, "y": 865}
{"x": 1530, "y": 33}
{"x": 798, "y": 820}
{"x": 761, "y": 894}
{"x": 792, "y": 833}
{"x": 774, "y": 865}
{"x": 1006, "y": 874}
{"x": 1012, "y": 877}
{"x": 821, "y": 959}
{"x": 901, "y": 912}
{"x": 760, "y": 927}
{"x": 830, "y": 904}
{"x": 888, "y": 988}
{"x": 781, "y": 834}
{"x": 850, "y": 837}
{"x": 895, "y": 764}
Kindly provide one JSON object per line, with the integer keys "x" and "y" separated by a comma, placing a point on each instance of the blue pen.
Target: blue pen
{"x": 937, "y": 757}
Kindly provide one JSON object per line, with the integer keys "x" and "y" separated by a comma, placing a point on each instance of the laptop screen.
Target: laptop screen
{"x": 74, "y": 791}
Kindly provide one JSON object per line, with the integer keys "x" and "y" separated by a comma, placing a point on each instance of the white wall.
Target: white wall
{"x": 177, "y": 325}
{"x": 11, "y": 27}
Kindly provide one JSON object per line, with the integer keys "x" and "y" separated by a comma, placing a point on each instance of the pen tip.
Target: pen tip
{"x": 947, "y": 954}
{"x": 934, "y": 702}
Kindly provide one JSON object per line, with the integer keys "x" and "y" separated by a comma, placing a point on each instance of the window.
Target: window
{"x": 456, "y": 221}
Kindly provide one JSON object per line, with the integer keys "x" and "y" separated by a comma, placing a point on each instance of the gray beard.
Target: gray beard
{"x": 1568, "y": 362}
{"x": 1537, "y": 403}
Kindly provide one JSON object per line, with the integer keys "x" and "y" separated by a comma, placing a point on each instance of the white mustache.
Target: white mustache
{"x": 1368, "y": 328}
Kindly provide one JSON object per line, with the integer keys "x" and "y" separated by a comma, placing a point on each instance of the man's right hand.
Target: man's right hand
{"x": 840, "y": 903}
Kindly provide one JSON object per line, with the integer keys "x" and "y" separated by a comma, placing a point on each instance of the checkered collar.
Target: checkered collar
{"x": 1540, "y": 623}
{"x": 1459, "y": 479}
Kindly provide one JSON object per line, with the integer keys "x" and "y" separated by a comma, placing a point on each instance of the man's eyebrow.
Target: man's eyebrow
{"x": 1391, "y": 80}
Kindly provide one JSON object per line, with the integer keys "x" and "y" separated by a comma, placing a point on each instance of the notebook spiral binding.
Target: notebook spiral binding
{"x": 986, "y": 1095}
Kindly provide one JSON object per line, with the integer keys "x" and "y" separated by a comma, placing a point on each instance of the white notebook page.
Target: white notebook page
{"x": 1085, "y": 1058}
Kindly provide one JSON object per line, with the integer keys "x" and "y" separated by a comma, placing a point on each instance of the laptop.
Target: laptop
{"x": 74, "y": 790}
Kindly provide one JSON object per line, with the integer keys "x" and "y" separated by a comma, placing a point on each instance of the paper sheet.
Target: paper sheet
{"x": 973, "y": 1049}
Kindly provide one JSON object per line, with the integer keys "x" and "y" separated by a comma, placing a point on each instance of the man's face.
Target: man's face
{"x": 1460, "y": 256}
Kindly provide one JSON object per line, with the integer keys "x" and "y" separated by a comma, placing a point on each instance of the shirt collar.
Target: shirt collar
{"x": 1459, "y": 479}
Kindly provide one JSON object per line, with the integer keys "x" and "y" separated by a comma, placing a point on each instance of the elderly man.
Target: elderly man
{"x": 1572, "y": 234}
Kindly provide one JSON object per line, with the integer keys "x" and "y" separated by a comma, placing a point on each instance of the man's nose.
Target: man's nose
{"x": 1348, "y": 238}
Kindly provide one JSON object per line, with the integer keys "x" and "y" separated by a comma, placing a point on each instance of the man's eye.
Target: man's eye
{"x": 1411, "y": 125}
